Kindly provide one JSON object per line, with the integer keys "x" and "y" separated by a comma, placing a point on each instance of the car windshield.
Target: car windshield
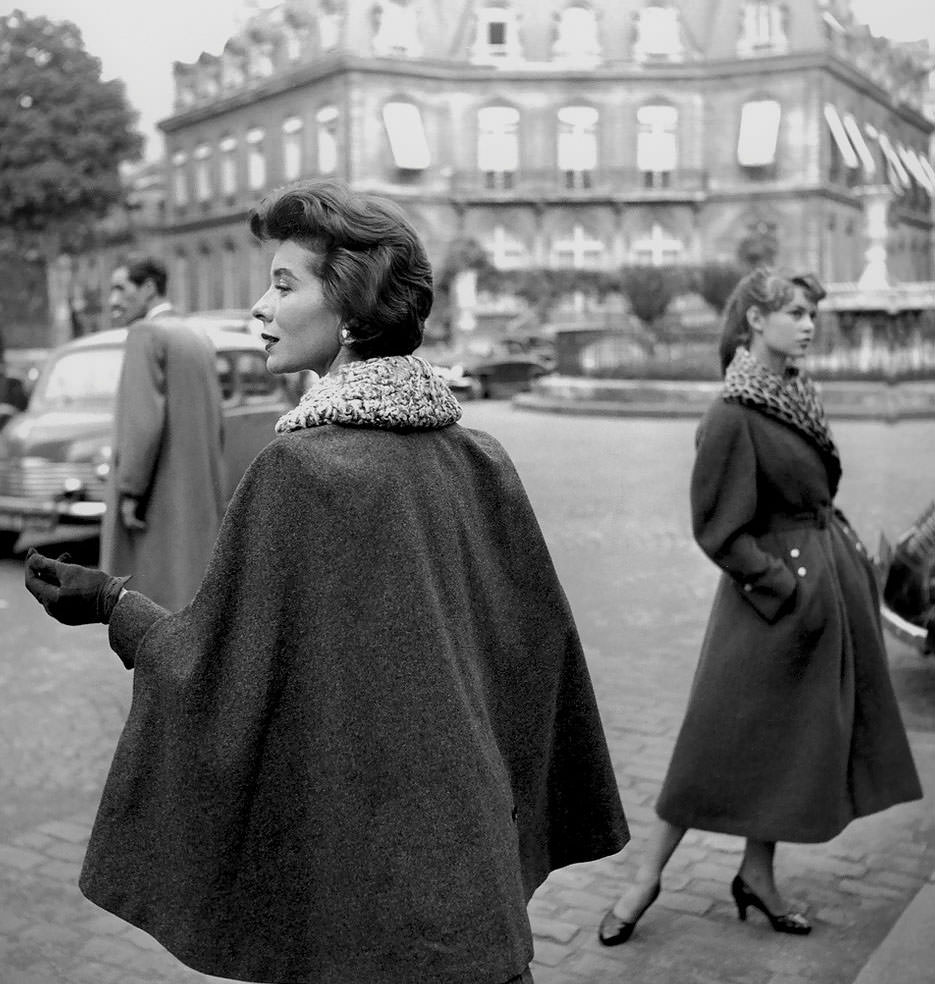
{"x": 82, "y": 377}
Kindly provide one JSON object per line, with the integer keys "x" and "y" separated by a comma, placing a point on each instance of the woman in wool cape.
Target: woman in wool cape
{"x": 792, "y": 728}
{"x": 372, "y": 734}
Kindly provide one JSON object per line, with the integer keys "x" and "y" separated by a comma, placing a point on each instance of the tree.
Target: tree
{"x": 63, "y": 134}
{"x": 715, "y": 282}
{"x": 650, "y": 290}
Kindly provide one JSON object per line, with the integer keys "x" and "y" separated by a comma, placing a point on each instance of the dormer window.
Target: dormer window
{"x": 232, "y": 69}
{"x": 576, "y": 39}
{"x": 658, "y": 33}
{"x": 763, "y": 29}
{"x": 497, "y": 34}
{"x": 396, "y": 29}
{"x": 260, "y": 60}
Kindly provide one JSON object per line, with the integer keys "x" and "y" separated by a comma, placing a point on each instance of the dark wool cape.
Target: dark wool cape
{"x": 792, "y": 728}
{"x": 354, "y": 756}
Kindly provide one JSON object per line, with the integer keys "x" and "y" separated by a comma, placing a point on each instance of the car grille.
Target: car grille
{"x": 36, "y": 478}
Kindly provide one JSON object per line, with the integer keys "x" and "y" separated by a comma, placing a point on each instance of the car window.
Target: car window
{"x": 225, "y": 375}
{"x": 82, "y": 377}
{"x": 256, "y": 381}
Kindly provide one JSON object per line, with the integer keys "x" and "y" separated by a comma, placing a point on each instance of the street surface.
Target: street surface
{"x": 611, "y": 496}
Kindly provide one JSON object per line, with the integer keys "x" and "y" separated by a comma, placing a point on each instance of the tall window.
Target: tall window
{"x": 397, "y": 29}
{"x": 759, "y": 133}
{"x": 762, "y": 28}
{"x": 256, "y": 159}
{"x": 405, "y": 132}
{"x": 577, "y": 145}
{"x": 658, "y": 33}
{"x": 180, "y": 282}
{"x": 292, "y": 148}
{"x": 497, "y": 35}
{"x": 228, "y": 165}
{"x": 498, "y": 145}
{"x": 202, "y": 157}
{"x": 180, "y": 177}
{"x": 576, "y": 38}
{"x": 326, "y": 120}
{"x": 230, "y": 276}
{"x": 657, "y": 144}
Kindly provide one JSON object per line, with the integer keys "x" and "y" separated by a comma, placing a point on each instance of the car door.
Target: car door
{"x": 254, "y": 399}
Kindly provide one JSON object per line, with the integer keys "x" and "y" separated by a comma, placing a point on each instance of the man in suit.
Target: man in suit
{"x": 167, "y": 487}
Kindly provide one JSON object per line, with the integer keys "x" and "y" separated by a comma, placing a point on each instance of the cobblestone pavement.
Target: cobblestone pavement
{"x": 611, "y": 494}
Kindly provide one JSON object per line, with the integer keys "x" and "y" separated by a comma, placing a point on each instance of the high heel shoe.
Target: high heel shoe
{"x": 787, "y": 922}
{"x": 613, "y": 930}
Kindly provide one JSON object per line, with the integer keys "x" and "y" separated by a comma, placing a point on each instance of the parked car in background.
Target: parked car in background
{"x": 488, "y": 368}
{"x": 19, "y": 370}
{"x": 55, "y": 455}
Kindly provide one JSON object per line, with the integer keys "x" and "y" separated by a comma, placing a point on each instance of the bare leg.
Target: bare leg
{"x": 664, "y": 838}
{"x": 756, "y": 870}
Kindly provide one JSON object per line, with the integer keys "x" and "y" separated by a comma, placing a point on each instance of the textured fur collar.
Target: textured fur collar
{"x": 398, "y": 392}
{"x": 792, "y": 399}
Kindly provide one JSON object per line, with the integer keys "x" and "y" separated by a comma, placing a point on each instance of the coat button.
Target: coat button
{"x": 748, "y": 587}
{"x": 794, "y": 552}
{"x": 801, "y": 572}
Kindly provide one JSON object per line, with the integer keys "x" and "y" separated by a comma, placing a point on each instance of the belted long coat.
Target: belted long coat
{"x": 371, "y": 735}
{"x": 167, "y": 452}
{"x": 792, "y": 728}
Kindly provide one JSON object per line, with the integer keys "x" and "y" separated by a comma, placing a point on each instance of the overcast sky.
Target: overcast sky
{"x": 138, "y": 40}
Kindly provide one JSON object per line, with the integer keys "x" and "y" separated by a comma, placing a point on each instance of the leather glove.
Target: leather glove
{"x": 71, "y": 593}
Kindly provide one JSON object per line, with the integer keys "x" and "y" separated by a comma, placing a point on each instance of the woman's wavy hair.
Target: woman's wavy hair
{"x": 371, "y": 262}
{"x": 766, "y": 289}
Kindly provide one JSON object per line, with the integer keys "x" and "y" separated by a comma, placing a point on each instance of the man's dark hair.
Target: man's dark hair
{"x": 372, "y": 264}
{"x": 144, "y": 268}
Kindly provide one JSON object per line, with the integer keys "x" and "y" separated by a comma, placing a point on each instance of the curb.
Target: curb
{"x": 907, "y": 953}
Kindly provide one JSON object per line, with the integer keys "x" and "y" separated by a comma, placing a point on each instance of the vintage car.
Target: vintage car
{"x": 488, "y": 368}
{"x": 55, "y": 455}
{"x": 907, "y": 577}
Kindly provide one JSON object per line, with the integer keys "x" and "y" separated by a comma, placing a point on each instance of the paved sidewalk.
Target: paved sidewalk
{"x": 610, "y": 495}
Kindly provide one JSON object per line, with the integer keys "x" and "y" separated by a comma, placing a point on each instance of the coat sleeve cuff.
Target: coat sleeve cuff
{"x": 132, "y": 618}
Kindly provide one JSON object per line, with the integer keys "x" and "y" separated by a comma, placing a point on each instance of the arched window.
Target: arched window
{"x": 292, "y": 130}
{"x": 202, "y": 156}
{"x": 657, "y": 143}
{"x": 228, "y": 165}
{"x": 576, "y": 38}
{"x": 180, "y": 178}
{"x": 326, "y": 121}
{"x": 256, "y": 159}
{"x": 577, "y": 145}
{"x": 498, "y": 145}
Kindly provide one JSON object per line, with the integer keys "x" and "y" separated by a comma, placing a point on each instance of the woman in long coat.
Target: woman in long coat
{"x": 372, "y": 734}
{"x": 792, "y": 728}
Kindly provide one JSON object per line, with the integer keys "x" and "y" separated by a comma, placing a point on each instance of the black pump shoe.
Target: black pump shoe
{"x": 787, "y": 922}
{"x": 613, "y": 930}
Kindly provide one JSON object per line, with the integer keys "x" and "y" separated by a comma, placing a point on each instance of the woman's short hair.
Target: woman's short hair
{"x": 371, "y": 262}
{"x": 767, "y": 290}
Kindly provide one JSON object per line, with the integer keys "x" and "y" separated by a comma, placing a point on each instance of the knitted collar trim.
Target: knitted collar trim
{"x": 397, "y": 392}
{"x": 792, "y": 399}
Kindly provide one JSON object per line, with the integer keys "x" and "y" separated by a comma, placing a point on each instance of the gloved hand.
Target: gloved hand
{"x": 70, "y": 593}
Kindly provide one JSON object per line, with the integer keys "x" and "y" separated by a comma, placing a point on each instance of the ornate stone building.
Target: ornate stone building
{"x": 583, "y": 133}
